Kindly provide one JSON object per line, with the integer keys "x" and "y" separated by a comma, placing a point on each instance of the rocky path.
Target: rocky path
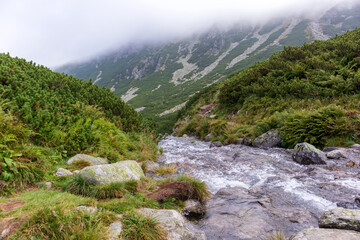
{"x": 257, "y": 191}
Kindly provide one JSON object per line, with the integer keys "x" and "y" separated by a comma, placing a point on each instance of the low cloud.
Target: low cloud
{"x": 60, "y": 31}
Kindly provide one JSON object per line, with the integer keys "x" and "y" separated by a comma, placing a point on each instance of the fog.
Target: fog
{"x": 56, "y": 32}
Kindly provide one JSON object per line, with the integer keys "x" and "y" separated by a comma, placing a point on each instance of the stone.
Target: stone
{"x": 115, "y": 230}
{"x": 86, "y": 209}
{"x": 193, "y": 208}
{"x": 151, "y": 165}
{"x": 215, "y": 144}
{"x": 350, "y": 164}
{"x": 61, "y": 172}
{"x": 355, "y": 146}
{"x": 247, "y": 141}
{"x": 306, "y": 154}
{"x": 350, "y": 205}
{"x": 206, "y": 109}
{"x": 239, "y": 141}
{"x": 109, "y": 173}
{"x": 326, "y": 234}
{"x": 329, "y": 149}
{"x": 87, "y": 158}
{"x": 271, "y": 138}
{"x": 209, "y": 137}
{"x": 213, "y": 116}
{"x": 336, "y": 154}
{"x": 341, "y": 218}
{"x": 173, "y": 224}
{"x": 185, "y": 136}
{"x": 76, "y": 172}
{"x": 46, "y": 185}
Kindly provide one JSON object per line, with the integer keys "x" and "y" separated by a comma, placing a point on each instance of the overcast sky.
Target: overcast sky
{"x": 54, "y": 32}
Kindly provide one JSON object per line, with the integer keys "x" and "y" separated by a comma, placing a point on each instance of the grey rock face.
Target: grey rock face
{"x": 341, "y": 218}
{"x": 271, "y": 138}
{"x": 356, "y": 147}
{"x": 337, "y": 154}
{"x": 90, "y": 159}
{"x": 306, "y": 154}
{"x": 116, "y": 172}
{"x": 115, "y": 230}
{"x": 173, "y": 224}
{"x": 61, "y": 172}
{"x": 326, "y": 234}
{"x": 193, "y": 208}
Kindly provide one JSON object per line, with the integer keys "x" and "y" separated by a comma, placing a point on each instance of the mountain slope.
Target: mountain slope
{"x": 158, "y": 80}
{"x": 309, "y": 93}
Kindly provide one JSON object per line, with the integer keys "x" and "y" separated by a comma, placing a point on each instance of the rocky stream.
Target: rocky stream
{"x": 258, "y": 191}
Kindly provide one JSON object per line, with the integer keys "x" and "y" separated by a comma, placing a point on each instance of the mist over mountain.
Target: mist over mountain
{"x": 158, "y": 79}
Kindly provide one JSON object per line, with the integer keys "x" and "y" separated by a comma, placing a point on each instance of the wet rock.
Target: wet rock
{"x": 247, "y": 141}
{"x": 193, "y": 208}
{"x": 271, "y": 138}
{"x": 350, "y": 205}
{"x": 350, "y": 164}
{"x": 61, "y": 172}
{"x": 215, "y": 144}
{"x": 341, "y": 218}
{"x": 180, "y": 190}
{"x": 239, "y": 141}
{"x": 355, "y": 146}
{"x": 306, "y": 154}
{"x": 115, "y": 230}
{"x": 337, "y": 154}
{"x": 87, "y": 158}
{"x": 329, "y": 149}
{"x": 86, "y": 209}
{"x": 46, "y": 185}
{"x": 109, "y": 173}
{"x": 326, "y": 234}
{"x": 173, "y": 224}
{"x": 209, "y": 137}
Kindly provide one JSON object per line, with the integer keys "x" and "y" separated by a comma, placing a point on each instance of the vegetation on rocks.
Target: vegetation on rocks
{"x": 310, "y": 93}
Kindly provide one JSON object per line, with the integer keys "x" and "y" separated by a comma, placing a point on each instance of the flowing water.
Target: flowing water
{"x": 258, "y": 191}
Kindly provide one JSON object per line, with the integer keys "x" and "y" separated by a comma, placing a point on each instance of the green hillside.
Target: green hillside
{"x": 310, "y": 93}
{"x": 47, "y": 117}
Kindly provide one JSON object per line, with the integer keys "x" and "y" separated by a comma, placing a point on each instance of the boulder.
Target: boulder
{"x": 215, "y": 144}
{"x": 355, "y": 146}
{"x": 46, "y": 185}
{"x": 341, "y": 218}
{"x": 329, "y": 149}
{"x": 87, "y": 158}
{"x": 209, "y": 137}
{"x": 336, "y": 154}
{"x": 193, "y": 208}
{"x": 109, "y": 173}
{"x": 173, "y": 224}
{"x": 306, "y": 154}
{"x": 61, "y": 172}
{"x": 326, "y": 234}
{"x": 271, "y": 138}
{"x": 239, "y": 141}
{"x": 86, "y": 209}
{"x": 247, "y": 141}
{"x": 115, "y": 230}
{"x": 151, "y": 165}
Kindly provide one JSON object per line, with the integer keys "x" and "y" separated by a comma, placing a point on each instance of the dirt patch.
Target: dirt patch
{"x": 10, "y": 205}
{"x": 179, "y": 190}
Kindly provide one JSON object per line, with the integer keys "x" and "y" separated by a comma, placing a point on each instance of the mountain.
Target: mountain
{"x": 308, "y": 94}
{"x": 158, "y": 80}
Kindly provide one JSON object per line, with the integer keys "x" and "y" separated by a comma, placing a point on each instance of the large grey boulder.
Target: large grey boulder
{"x": 306, "y": 154}
{"x": 326, "y": 234}
{"x": 337, "y": 154}
{"x": 173, "y": 224}
{"x": 341, "y": 218}
{"x": 355, "y": 146}
{"x": 87, "y": 158}
{"x": 109, "y": 173}
{"x": 62, "y": 172}
{"x": 271, "y": 138}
